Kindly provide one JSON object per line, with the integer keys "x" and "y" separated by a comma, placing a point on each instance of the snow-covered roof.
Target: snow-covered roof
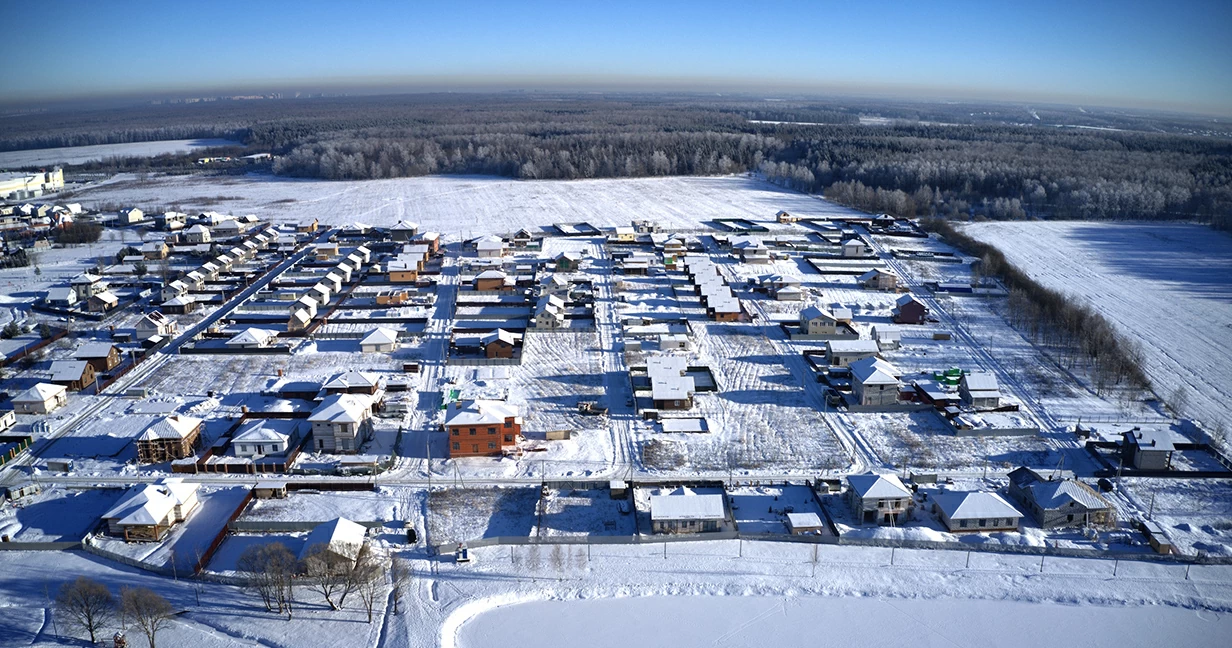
{"x": 975, "y": 505}
{"x": 803, "y": 520}
{"x": 263, "y": 431}
{"x": 879, "y": 486}
{"x": 874, "y": 371}
{"x": 170, "y": 428}
{"x": 501, "y": 335}
{"x": 61, "y": 294}
{"x": 252, "y": 336}
{"x": 67, "y": 370}
{"x": 351, "y": 379}
{"x": 906, "y": 299}
{"x": 852, "y": 346}
{"x": 404, "y": 225}
{"x": 107, "y": 297}
{"x": 154, "y": 320}
{"x": 381, "y": 335}
{"x": 480, "y": 412}
{"x": 339, "y": 536}
{"x": 814, "y": 311}
{"x": 1152, "y": 439}
{"x": 686, "y": 507}
{"x": 40, "y": 393}
{"x": 491, "y": 274}
{"x": 180, "y": 300}
{"x": 150, "y": 504}
{"x": 342, "y": 408}
{"x": 91, "y": 350}
{"x": 981, "y": 381}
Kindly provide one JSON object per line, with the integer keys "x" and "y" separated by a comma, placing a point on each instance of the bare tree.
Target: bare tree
{"x": 89, "y": 605}
{"x": 400, "y": 575}
{"x": 368, "y": 578}
{"x": 148, "y": 609}
{"x": 328, "y": 574}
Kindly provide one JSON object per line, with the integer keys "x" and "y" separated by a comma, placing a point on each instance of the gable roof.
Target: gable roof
{"x": 381, "y": 335}
{"x": 263, "y": 430}
{"x": 91, "y": 350}
{"x": 68, "y": 370}
{"x": 251, "y": 336}
{"x": 874, "y": 371}
{"x": 871, "y": 484}
{"x": 501, "y": 335}
{"x": 353, "y": 379}
{"x": 981, "y": 381}
{"x": 171, "y": 427}
{"x": 339, "y": 536}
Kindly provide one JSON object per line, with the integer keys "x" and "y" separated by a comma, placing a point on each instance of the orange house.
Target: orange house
{"x": 482, "y": 428}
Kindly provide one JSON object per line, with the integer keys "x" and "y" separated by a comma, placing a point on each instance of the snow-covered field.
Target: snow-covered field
{"x": 1167, "y": 287}
{"x": 83, "y": 154}
{"x": 471, "y": 206}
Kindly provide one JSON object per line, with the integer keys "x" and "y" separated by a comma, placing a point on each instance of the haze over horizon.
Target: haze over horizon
{"x": 1141, "y": 54}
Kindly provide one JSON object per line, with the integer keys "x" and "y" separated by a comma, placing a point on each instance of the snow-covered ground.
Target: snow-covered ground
{"x": 471, "y": 206}
{"x": 1166, "y": 287}
{"x": 83, "y": 154}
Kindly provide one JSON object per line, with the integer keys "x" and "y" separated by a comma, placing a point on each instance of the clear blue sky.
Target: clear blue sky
{"x": 1135, "y": 53}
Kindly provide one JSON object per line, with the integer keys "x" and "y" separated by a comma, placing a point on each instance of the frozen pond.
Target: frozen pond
{"x": 83, "y": 154}
{"x": 689, "y": 621}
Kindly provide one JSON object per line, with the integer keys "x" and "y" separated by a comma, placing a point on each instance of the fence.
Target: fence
{"x": 39, "y": 546}
{"x": 287, "y": 526}
{"x": 28, "y": 349}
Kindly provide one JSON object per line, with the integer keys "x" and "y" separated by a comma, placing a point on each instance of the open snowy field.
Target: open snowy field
{"x": 83, "y": 154}
{"x": 1167, "y": 287}
{"x": 470, "y": 206}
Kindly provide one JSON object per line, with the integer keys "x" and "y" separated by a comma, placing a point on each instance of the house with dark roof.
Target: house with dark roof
{"x": 76, "y": 375}
{"x": 909, "y": 310}
{"x": 103, "y": 356}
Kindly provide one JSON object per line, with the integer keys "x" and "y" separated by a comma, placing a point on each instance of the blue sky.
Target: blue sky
{"x": 1133, "y": 53}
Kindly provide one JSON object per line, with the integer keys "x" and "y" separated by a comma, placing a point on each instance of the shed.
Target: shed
{"x": 805, "y": 524}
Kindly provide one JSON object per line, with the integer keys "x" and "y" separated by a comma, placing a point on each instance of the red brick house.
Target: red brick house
{"x": 482, "y": 428}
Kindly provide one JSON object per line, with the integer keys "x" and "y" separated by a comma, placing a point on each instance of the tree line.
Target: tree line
{"x": 1075, "y": 332}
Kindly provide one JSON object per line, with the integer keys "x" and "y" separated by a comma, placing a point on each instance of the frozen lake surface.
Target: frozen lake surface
{"x": 83, "y": 154}
{"x": 696, "y": 621}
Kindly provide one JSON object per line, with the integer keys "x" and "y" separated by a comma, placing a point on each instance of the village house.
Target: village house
{"x": 342, "y": 423}
{"x": 878, "y": 499}
{"x": 42, "y": 398}
{"x": 687, "y": 512}
{"x": 262, "y": 437}
{"x": 103, "y": 356}
{"x": 300, "y": 320}
{"x": 784, "y": 217}
{"x": 874, "y": 382}
{"x": 8, "y": 419}
{"x": 61, "y": 297}
{"x": 403, "y": 270}
{"x": 196, "y": 235}
{"x": 130, "y": 216}
{"x": 171, "y": 220}
{"x": 670, "y": 387}
{"x": 568, "y": 262}
{"x": 855, "y": 248}
{"x": 501, "y": 344}
{"x": 76, "y": 375}
{"x": 493, "y": 280}
{"x": 392, "y": 297}
{"x": 404, "y": 231}
{"x": 270, "y": 489}
{"x": 181, "y": 305}
{"x": 1059, "y": 502}
{"x": 174, "y": 437}
{"x": 306, "y": 226}
{"x": 252, "y": 338}
{"x": 909, "y": 310}
{"x": 555, "y": 285}
{"x": 623, "y": 234}
{"x": 879, "y": 280}
{"x": 887, "y": 338}
{"x": 980, "y": 390}
{"x": 1148, "y": 449}
{"x": 379, "y": 340}
{"x": 975, "y": 512}
{"x": 87, "y": 285}
{"x": 549, "y": 313}
{"x": 154, "y": 250}
{"x": 482, "y": 427}
{"x": 147, "y": 512}
{"x": 820, "y": 321}
{"x": 353, "y": 382}
{"x": 229, "y": 228}
{"x": 338, "y": 541}
{"x": 490, "y": 247}
{"x": 152, "y": 324}
{"x": 841, "y": 353}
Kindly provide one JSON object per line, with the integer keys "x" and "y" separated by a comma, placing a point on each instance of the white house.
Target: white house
{"x": 252, "y": 338}
{"x": 261, "y": 437}
{"x": 490, "y": 247}
{"x": 41, "y": 399}
{"x": 152, "y": 324}
{"x": 879, "y": 499}
{"x": 686, "y": 512}
{"x": 380, "y": 340}
{"x": 980, "y": 389}
{"x": 197, "y": 234}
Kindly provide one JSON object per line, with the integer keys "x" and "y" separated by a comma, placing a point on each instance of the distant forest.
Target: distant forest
{"x": 988, "y": 161}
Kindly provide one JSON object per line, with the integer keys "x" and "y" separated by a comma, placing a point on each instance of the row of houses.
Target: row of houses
{"x": 716, "y": 295}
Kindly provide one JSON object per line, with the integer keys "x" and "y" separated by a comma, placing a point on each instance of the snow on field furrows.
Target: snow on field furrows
{"x": 1166, "y": 287}
{"x": 766, "y": 419}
